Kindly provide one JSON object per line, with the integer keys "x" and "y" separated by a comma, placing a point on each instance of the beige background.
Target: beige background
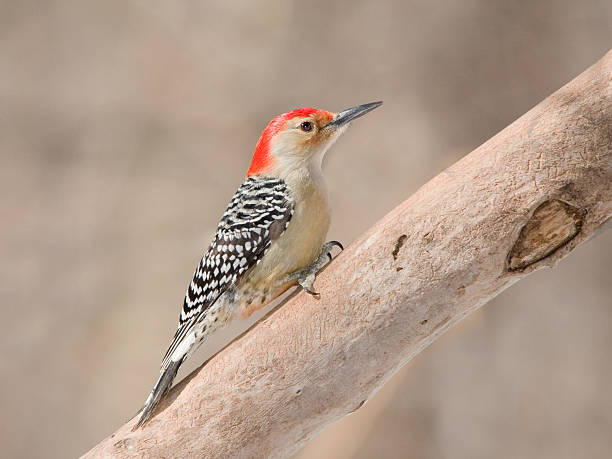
{"x": 125, "y": 127}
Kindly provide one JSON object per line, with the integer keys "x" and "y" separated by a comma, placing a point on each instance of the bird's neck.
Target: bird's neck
{"x": 306, "y": 180}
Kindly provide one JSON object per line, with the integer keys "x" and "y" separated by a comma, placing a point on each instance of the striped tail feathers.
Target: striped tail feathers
{"x": 161, "y": 388}
{"x": 169, "y": 369}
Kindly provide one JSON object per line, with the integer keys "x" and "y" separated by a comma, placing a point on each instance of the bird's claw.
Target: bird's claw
{"x": 306, "y": 277}
{"x": 306, "y": 283}
{"x": 311, "y": 292}
{"x": 336, "y": 244}
{"x": 328, "y": 247}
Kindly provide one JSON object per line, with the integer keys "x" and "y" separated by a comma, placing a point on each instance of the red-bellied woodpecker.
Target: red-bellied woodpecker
{"x": 270, "y": 238}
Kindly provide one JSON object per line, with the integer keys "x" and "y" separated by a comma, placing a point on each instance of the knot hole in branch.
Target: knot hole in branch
{"x": 552, "y": 225}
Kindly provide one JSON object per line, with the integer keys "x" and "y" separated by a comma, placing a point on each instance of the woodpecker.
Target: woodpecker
{"x": 270, "y": 238}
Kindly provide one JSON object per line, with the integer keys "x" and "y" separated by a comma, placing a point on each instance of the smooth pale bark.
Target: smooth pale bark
{"x": 521, "y": 201}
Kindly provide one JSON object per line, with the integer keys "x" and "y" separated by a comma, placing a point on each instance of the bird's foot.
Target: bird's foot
{"x": 305, "y": 277}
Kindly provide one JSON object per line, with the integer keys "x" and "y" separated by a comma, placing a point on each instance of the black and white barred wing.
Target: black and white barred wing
{"x": 258, "y": 213}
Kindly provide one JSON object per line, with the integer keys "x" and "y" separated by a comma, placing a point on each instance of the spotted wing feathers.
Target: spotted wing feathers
{"x": 260, "y": 207}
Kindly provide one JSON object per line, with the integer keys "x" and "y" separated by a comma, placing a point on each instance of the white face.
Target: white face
{"x": 304, "y": 142}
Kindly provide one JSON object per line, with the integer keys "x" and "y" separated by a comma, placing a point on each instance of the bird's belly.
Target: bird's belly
{"x": 297, "y": 248}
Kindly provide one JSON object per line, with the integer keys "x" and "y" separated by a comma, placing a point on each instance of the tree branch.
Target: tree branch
{"x": 521, "y": 201}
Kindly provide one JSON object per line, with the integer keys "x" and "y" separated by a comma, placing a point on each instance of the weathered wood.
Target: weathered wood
{"x": 521, "y": 201}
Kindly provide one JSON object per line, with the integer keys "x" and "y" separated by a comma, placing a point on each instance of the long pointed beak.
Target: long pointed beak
{"x": 350, "y": 114}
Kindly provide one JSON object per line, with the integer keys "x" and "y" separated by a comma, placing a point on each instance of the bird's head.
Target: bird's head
{"x": 298, "y": 140}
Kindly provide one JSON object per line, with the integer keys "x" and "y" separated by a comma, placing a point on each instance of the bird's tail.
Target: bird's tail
{"x": 161, "y": 387}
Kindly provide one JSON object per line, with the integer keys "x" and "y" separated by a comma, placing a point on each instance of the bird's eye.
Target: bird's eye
{"x": 306, "y": 126}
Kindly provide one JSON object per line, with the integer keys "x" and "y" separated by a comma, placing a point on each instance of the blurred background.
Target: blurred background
{"x": 126, "y": 126}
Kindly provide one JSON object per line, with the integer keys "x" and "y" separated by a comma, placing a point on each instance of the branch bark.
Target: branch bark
{"x": 520, "y": 202}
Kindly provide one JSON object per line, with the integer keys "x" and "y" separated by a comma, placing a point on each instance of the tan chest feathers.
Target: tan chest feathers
{"x": 296, "y": 248}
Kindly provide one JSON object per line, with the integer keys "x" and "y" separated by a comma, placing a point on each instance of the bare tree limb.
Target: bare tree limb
{"x": 521, "y": 201}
